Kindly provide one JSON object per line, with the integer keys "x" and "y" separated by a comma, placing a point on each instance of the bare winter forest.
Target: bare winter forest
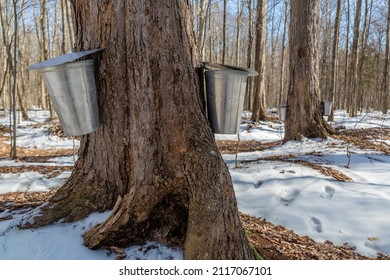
{"x": 352, "y": 47}
{"x": 156, "y": 170}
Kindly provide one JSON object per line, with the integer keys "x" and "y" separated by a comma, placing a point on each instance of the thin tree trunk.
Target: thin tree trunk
{"x": 352, "y": 96}
{"x": 7, "y": 48}
{"x": 204, "y": 4}
{"x": 238, "y": 32}
{"x": 259, "y": 110}
{"x": 282, "y": 64}
{"x": 324, "y": 66}
{"x": 270, "y": 88}
{"x": 385, "y": 86}
{"x": 361, "y": 62}
{"x": 70, "y": 25}
{"x": 224, "y": 32}
{"x": 346, "y": 64}
{"x": 43, "y": 48}
{"x": 249, "y": 85}
{"x": 63, "y": 28}
{"x": 14, "y": 77}
{"x": 336, "y": 37}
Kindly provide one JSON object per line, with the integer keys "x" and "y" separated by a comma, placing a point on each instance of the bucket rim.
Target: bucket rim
{"x": 68, "y": 65}
{"x": 226, "y": 71}
{"x": 62, "y": 59}
{"x": 250, "y": 72}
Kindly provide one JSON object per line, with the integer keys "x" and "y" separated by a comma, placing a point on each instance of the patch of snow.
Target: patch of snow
{"x": 285, "y": 193}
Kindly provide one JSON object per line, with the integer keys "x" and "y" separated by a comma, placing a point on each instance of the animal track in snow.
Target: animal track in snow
{"x": 288, "y": 196}
{"x": 329, "y": 192}
{"x": 317, "y": 225}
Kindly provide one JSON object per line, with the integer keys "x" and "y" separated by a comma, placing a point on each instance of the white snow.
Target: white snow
{"x": 285, "y": 193}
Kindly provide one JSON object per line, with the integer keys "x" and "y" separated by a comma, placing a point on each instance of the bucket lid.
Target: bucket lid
{"x": 62, "y": 59}
{"x": 251, "y": 73}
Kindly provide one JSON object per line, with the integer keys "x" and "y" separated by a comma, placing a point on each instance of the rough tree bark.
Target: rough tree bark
{"x": 354, "y": 59}
{"x": 335, "y": 57}
{"x": 249, "y": 85}
{"x": 237, "y": 51}
{"x": 361, "y": 91}
{"x": 304, "y": 117}
{"x": 224, "y": 53}
{"x": 259, "y": 110}
{"x": 385, "y": 86}
{"x": 282, "y": 72}
{"x": 154, "y": 156}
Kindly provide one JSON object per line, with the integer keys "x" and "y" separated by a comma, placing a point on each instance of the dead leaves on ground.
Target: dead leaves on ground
{"x": 278, "y": 243}
{"x": 325, "y": 170}
{"x": 230, "y": 147}
{"x": 50, "y": 171}
{"x": 33, "y": 154}
{"x": 367, "y": 139}
{"x": 22, "y": 201}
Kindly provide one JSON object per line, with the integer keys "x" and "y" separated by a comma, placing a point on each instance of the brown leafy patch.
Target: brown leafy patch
{"x": 276, "y": 242}
{"x": 23, "y": 200}
{"x": 230, "y": 147}
{"x": 328, "y": 171}
{"x": 51, "y": 171}
{"x": 366, "y": 139}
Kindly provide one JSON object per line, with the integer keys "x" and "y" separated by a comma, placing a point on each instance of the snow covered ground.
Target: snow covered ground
{"x": 285, "y": 193}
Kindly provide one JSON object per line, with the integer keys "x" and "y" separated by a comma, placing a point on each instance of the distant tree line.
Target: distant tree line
{"x": 353, "y": 48}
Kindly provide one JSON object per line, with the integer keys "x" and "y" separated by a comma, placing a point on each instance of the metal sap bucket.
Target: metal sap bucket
{"x": 326, "y": 107}
{"x": 283, "y": 112}
{"x": 72, "y": 89}
{"x": 225, "y": 90}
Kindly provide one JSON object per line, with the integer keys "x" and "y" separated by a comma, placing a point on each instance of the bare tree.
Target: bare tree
{"x": 282, "y": 59}
{"x": 154, "y": 159}
{"x": 304, "y": 117}
{"x": 14, "y": 81}
{"x": 352, "y": 96}
{"x": 249, "y": 86}
{"x": 334, "y": 65}
{"x": 224, "y": 31}
{"x": 385, "y": 86}
{"x": 240, "y": 7}
{"x": 346, "y": 61}
{"x": 360, "y": 90}
{"x": 259, "y": 109}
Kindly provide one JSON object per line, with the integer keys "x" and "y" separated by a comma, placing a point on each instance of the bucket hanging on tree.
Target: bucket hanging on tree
{"x": 71, "y": 86}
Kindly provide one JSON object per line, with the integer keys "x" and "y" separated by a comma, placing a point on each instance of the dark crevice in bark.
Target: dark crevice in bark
{"x": 166, "y": 223}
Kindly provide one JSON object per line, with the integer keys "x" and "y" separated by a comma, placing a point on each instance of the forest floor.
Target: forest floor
{"x": 272, "y": 241}
{"x": 278, "y": 243}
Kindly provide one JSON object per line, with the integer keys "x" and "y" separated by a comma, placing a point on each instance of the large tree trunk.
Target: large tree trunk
{"x": 154, "y": 155}
{"x": 304, "y": 117}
